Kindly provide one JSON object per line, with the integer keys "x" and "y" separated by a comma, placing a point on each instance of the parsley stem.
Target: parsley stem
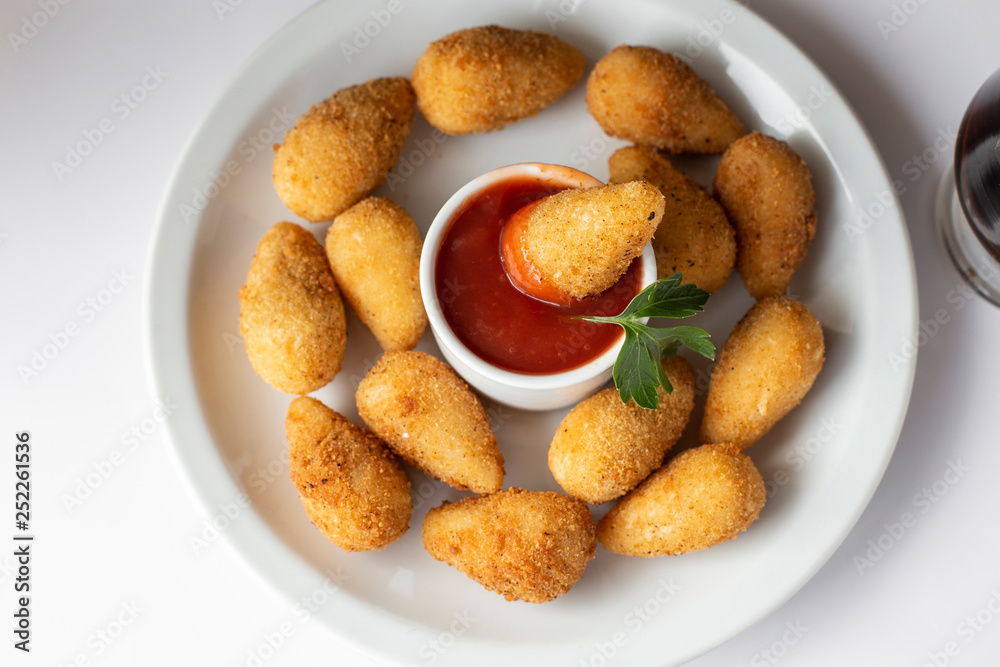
{"x": 638, "y": 371}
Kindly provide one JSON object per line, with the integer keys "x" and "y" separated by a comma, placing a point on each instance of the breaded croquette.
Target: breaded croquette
{"x": 291, "y": 315}
{"x": 374, "y": 251}
{"x": 353, "y": 488}
{"x": 432, "y": 420}
{"x": 702, "y": 497}
{"x": 603, "y": 447}
{"x": 579, "y": 242}
{"x": 766, "y": 189}
{"x": 649, "y": 97}
{"x": 481, "y": 79}
{"x": 764, "y": 369}
{"x": 525, "y": 545}
{"x": 694, "y": 237}
{"x": 343, "y": 148}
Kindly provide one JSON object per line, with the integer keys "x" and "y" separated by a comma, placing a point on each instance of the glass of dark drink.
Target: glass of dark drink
{"x": 968, "y": 202}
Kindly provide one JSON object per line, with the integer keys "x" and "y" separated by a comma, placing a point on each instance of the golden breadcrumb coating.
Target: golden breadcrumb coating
{"x": 432, "y": 420}
{"x": 525, "y": 545}
{"x": 579, "y": 242}
{"x": 694, "y": 237}
{"x": 291, "y": 315}
{"x": 702, "y": 497}
{"x": 649, "y": 97}
{"x": 352, "y": 487}
{"x": 481, "y": 79}
{"x": 764, "y": 369}
{"x": 603, "y": 447}
{"x": 343, "y": 148}
{"x": 374, "y": 251}
{"x": 767, "y": 191}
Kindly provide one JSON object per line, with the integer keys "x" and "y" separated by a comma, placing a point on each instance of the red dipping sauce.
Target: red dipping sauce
{"x": 495, "y": 320}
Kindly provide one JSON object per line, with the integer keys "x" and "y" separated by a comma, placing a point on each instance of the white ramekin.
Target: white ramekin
{"x": 520, "y": 390}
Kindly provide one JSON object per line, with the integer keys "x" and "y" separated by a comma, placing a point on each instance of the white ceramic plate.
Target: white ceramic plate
{"x": 821, "y": 464}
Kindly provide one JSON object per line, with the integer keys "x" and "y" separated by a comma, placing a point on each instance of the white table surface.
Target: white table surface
{"x": 122, "y": 555}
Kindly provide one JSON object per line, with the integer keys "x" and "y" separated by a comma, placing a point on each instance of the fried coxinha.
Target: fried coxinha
{"x": 579, "y": 242}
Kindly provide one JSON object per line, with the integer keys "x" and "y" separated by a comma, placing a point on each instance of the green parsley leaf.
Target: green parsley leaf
{"x": 638, "y": 371}
{"x": 667, "y": 298}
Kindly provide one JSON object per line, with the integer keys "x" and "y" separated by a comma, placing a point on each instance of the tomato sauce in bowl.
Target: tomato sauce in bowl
{"x": 493, "y": 318}
{"x": 511, "y": 347}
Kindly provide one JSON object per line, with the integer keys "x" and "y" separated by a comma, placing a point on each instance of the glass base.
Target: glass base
{"x": 974, "y": 262}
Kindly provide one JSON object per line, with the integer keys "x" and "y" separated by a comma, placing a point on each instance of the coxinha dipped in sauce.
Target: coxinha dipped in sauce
{"x": 569, "y": 257}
